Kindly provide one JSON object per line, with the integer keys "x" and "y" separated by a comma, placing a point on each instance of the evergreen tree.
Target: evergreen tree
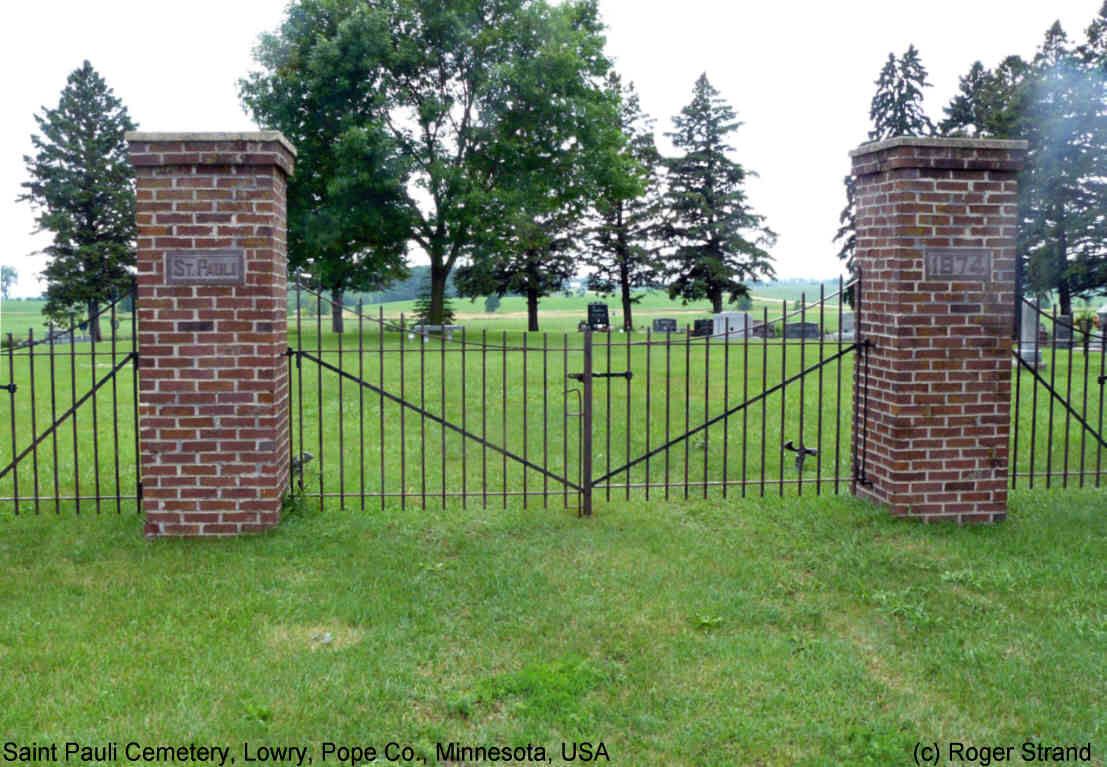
{"x": 491, "y": 303}
{"x": 895, "y": 110}
{"x": 716, "y": 241}
{"x": 621, "y": 239}
{"x": 82, "y": 186}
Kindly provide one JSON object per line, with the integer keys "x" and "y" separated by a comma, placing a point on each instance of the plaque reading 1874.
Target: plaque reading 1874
{"x": 205, "y": 267}
{"x": 957, "y": 264}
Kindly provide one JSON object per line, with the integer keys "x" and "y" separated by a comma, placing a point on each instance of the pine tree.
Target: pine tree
{"x": 895, "y": 110}
{"x": 716, "y": 241}
{"x": 622, "y": 251}
{"x": 82, "y": 186}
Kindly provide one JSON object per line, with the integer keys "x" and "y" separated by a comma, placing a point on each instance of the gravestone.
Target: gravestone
{"x": 735, "y": 321}
{"x": 763, "y": 330}
{"x": 1028, "y": 338}
{"x": 848, "y": 323}
{"x": 597, "y": 316}
{"x": 802, "y": 330}
{"x": 1064, "y": 331}
{"x": 703, "y": 328}
{"x": 664, "y": 325}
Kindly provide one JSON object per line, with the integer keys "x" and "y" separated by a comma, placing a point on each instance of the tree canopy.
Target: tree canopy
{"x": 82, "y": 187}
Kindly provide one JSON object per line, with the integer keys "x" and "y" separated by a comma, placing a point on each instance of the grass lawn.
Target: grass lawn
{"x": 773, "y": 632}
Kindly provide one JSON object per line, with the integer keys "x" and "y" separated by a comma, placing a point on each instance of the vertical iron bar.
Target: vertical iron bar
{"x": 649, "y": 385}
{"x": 865, "y": 412}
{"x": 586, "y": 429}
{"x": 524, "y": 419}
{"x": 54, "y": 418}
{"x": 1068, "y": 410}
{"x": 1013, "y": 459}
{"x": 1102, "y": 358}
{"x": 626, "y": 330}
{"x": 361, "y": 397}
{"x": 34, "y": 423}
{"x": 403, "y": 423}
{"x": 1034, "y": 395}
{"x": 442, "y": 388}
{"x": 545, "y": 420}
{"x": 422, "y": 341}
{"x": 484, "y": 417}
{"x": 783, "y": 378}
{"x": 464, "y": 425}
{"x": 1052, "y": 388}
{"x": 11, "y": 403}
{"x": 341, "y": 430}
{"x": 300, "y": 382}
{"x": 819, "y": 427}
{"x": 73, "y": 391}
{"x": 687, "y": 405}
{"x": 706, "y": 399}
{"x": 380, "y": 379}
{"x": 803, "y": 389}
{"x": 95, "y": 414}
{"x": 668, "y": 408}
{"x": 319, "y": 387}
{"x": 745, "y": 392}
{"x": 726, "y": 397}
{"x": 134, "y": 390}
{"x": 565, "y": 418}
{"x": 607, "y": 414}
{"x": 503, "y": 415}
{"x": 764, "y": 388}
{"x": 838, "y": 364}
{"x": 1084, "y": 408}
{"x": 115, "y": 410}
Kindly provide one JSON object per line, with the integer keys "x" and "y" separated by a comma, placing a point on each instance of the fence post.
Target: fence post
{"x": 213, "y": 330}
{"x": 586, "y": 429}
{"x": 936, "y": 222}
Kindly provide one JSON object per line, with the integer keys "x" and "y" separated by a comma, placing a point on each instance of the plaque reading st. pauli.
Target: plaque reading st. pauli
{"x": 957, "y": 264}
{"x": 205, "y": 267}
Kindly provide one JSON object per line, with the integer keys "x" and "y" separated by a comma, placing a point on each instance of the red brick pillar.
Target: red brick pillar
{"x": 213, "y": 378}
{"x": 936, "y": 248}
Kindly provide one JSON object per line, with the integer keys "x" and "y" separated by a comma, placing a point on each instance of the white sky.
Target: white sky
{"x": 799, "y": 74}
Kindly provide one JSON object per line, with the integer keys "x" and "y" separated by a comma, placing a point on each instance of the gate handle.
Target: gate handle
{"x": 801, "y": 453}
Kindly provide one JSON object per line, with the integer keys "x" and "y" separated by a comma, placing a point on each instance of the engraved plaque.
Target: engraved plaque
{"x": 957, "y": 264}
{"x": 205, "y": 267}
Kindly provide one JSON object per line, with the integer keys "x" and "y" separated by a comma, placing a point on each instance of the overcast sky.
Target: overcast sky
{"x": 799, "y": 74}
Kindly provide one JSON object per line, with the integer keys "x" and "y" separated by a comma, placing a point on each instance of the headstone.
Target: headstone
{"x": 735, "y": 321}
{"x": 848, "y": 322}
{"x": 703, "y": 328}
{"x": 664, "y": 325}
{"x": 763, "y": 330}
{"x": 802, "y": 330}
{"x": 1063, "y": 331}
{"x": 1028, "y": 339}
{"x": 597, "y": 316}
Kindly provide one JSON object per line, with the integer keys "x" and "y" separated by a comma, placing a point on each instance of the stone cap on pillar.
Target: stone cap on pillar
{"x": 208, "y": 148}
{"x": 939, "y": 154}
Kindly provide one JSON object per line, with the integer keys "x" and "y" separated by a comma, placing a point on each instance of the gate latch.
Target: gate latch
{"x": 801, "y": 453}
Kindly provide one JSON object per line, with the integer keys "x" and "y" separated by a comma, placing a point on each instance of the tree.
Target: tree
{"x": 347, "y": 212}
{"x": 621, "y": 240}
{"x": 491, "y": 303}
{"x": 427, "y": 76}
{"x": 716, "y": 241}
{"x": 895, "y": 110}
{"x": 8, "y": 276}
{"x": 549, "y": 161}
{"x": 82, "y": 186}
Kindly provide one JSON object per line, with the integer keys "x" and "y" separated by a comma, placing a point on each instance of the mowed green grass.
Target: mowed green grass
{"x": 774, "y": 632}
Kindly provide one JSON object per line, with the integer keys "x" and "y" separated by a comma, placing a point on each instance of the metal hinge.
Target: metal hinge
{"x": 627, "y": 374}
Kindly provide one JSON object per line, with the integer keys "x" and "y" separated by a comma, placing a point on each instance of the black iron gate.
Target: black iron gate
{"x": 391, "y": 410}
{"x": 1057, "y": 434}
{"x": 73, "y": 414}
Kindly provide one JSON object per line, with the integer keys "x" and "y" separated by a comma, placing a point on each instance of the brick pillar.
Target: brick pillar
{"x": 936, "y": 247}
{"x": 213, "y": 378}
